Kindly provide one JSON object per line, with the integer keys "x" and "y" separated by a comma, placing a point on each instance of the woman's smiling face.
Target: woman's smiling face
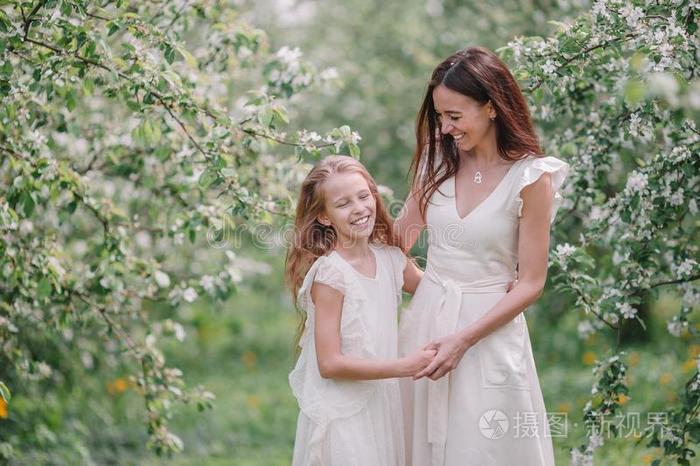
{"x": 463, "y": 118}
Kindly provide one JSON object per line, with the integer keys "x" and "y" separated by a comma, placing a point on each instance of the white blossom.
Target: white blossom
{"x": 676, "y": 198}
{"x": 179, "y": 332}
{"x": 632, "y": 15}
{"x": 549, "y": 67}
{"x": 565, "y": 251}
{"x": 290, "y": 56}
{"x": 585, "y": 328}
{"x": 596, "y": 440}
{"x": 329, "y": 74}
{"x": 161, "y": 278}
{"x": 44, "y": 370}
{"x": 686, "y": 267}
{"x": 612, "y": 317}
{"x": 627, "y": 311}
{"x": 581, "y": 459}
{"x": 636, "y": 182}
{"x": 675, "y": 327}
{"x": 599, "y": 8}
{"x": 189, "y": 295}
{"x": 208, "y": 284}
{"x": 26, "y": 227}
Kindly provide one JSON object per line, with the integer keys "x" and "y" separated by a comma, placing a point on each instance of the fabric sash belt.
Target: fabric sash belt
{"x": 444, "y": 323}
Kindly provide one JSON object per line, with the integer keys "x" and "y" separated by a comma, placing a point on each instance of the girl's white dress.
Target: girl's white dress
{"x": 489, "y": 411}
{"x": 345, "y": 422}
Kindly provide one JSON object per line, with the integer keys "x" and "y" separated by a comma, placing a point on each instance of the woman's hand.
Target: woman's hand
{"x": 416, "y": 362}
{"x": 450, "y": 350}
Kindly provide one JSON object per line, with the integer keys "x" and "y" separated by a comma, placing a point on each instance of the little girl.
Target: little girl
{"x": 347, "y": 274}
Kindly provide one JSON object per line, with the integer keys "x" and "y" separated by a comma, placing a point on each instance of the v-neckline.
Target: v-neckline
{"x": 490, "y": 195}
{"x": 376, "y": 265}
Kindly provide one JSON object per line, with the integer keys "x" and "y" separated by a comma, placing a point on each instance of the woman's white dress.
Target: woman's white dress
{"x": 489, "y": 411}
{"x": 344, "y": 422}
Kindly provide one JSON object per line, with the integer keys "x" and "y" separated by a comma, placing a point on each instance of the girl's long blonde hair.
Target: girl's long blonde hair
{"x": 311, "y": 239}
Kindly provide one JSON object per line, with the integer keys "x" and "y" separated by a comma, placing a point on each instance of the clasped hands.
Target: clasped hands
{"x": 438, "y": 357}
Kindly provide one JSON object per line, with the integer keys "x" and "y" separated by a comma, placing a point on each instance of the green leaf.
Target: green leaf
{"x": 280, "y": 114}
{"x": 205, "y": 179}
{"x": 169, "y": 54}
{"x": 138, "y": 134}
{"x": 189, "y": 58}
{"x": 70, "y": 100}
{"x": 634, "y": 91}
{"x": 265, "y": 117}
{"x": 26, "y": 203}
{"x": 5, "y": 392}
{"x": 148, "y": 131}
{"x": 113, "y": 27}
{"x": 66, "y": 8}
{"x": 43, "y": 289}
{"x": 568, "y": 150}
{"x": 6, "y": 69}
{"x": 522, "y": 74}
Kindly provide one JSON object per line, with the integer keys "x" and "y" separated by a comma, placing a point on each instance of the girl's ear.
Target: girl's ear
{"x": 323, "y": 220}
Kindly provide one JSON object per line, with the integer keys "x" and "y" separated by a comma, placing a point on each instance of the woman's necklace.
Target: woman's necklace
{"x": 477, "y": 176}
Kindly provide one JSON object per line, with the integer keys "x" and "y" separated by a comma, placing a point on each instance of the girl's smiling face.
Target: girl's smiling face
{"x": 349, "y": 206}
{"x": 463, "y": 118}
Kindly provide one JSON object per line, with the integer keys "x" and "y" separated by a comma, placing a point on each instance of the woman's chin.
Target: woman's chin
{"x": 463, "y": 145}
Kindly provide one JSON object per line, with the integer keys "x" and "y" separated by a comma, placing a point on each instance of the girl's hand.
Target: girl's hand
{"x": 416, "y": 362}
{"x": 450, "y": 350}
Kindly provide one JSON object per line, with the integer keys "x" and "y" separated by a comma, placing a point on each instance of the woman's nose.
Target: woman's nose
{"x": 445, "y": 127}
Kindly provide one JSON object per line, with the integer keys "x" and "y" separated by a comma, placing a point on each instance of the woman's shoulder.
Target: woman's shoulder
{"x": 546, "y": 163}
{"x": 532, "y": 168}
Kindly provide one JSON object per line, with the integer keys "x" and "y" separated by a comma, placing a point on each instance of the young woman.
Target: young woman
{"x": 488, "y": 197}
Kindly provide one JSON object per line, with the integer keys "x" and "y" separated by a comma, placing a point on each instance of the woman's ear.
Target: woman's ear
{"x": 491, "y": 110}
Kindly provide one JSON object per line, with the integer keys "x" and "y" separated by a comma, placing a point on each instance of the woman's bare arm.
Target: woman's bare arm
{"x": 412, "y": 276}
{"x": 409, "y": 223}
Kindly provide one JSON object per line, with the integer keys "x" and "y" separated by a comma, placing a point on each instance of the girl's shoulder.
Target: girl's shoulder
{"x": 396, "y": 262}
{"x": 327, "y": 270}
{"x": 393, "y": 254}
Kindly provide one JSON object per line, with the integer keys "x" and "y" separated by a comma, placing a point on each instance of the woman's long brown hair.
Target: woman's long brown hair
{"x": 312, "y": 239}
{"x": 478, "y": 73}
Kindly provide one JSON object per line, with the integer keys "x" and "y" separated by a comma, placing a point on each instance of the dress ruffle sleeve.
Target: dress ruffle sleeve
{"x": 534, "y": 168}
{"x": 325, "y": 400}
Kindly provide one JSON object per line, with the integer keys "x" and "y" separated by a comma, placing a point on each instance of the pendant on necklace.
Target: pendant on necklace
{"x": 477, "y": 177}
